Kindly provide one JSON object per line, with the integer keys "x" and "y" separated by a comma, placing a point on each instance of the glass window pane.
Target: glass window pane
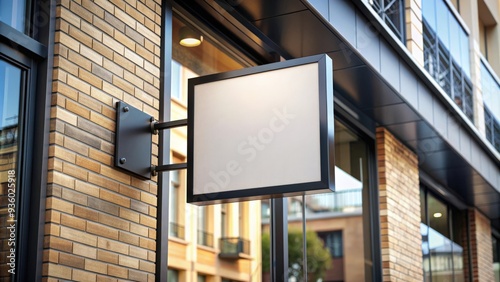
{"x": 455, "y": 30}
{"x": 438, "y": 216}
{"x": 13, "y": 13}
{"x": 10, "y": 95}
{"x": 338, "y": 217}
{"x": 442, "y": 23}
{"x": 464, "y": 51}
{"x": 429, "y": 13}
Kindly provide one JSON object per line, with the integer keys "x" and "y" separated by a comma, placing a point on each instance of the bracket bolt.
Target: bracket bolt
{"x": 126, "y": 109}
{"x": 123, "y": 160}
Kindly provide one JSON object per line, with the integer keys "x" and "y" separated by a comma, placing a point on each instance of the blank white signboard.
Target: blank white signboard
{"x": 261, "y": 132}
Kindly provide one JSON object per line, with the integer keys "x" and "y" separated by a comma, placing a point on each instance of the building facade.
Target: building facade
{"x": 417, "y": 138}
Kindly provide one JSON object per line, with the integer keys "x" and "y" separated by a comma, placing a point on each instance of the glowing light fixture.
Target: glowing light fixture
{"x": 189, "y": 37}
{"x": 437, "y": 215}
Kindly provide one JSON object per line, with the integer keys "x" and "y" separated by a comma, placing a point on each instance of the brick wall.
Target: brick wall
{"x": 399, "y": 209}
{"x": 414, "y": 30}
{"x": 481, "y": 246}
{"x": 100, "y": 222}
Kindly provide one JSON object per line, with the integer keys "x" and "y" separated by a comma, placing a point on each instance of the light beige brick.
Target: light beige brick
{"x": 60, "y": 205}
{"x": 73, "y": 222}
{"x": 81, "y": 275}
{"x": 84, "y": 251}
{"x": 102, "y": 230}
{"x": 96, "y": 266}
{"x": 78, "y": 236}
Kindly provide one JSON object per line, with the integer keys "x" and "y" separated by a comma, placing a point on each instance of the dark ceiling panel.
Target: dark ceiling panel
{"x": 394, "y": 114}
{"x": 364, "y": 87}
{"x": 258, "y": 10}
{"x": 415, "y": 130}
{"x": 344, "y": 59}
{"x": 294, "y": 33}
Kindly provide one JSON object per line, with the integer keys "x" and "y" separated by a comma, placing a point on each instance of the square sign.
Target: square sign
{"x": 261, "y": 132}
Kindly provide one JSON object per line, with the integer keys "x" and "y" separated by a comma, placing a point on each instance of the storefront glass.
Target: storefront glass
{"x": 222, "y": 241}
{"x": 443, "y": 239}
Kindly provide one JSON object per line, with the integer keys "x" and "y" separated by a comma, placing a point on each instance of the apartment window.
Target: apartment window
{"x": 491, "y": 97}
{"x": 201, "y": 278}
{"x": 175, "y": 228}
{"x": 14, "y": 13}
{"x": 173, "y": 275}
{"x": 392, "y": 13}
{"x": 446, "y": 53}
{"x": 333, "y": 242}
{"x": 443, "y": 230}
{"x": 205, "y": 238}
{"x": 223, "y": 220}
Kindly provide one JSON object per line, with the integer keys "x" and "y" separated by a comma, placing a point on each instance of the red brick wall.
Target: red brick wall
{"x": 100, "y": 222}
{"x": 399, "y": 209}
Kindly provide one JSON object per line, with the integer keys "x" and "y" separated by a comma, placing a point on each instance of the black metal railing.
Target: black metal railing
{"x": 176, "y": 230}
{"x": 8, "y": 135}
{"x": 205, "y": 238}
{"x": 492, "y": 126}
{"x": 440, "y": 64}
{"x": 392, "y": 13}
{"x": 339, "y": 201}
{"x": 234, "y": 246}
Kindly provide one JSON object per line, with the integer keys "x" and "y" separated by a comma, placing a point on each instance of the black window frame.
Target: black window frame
{"x": 28, "y": 50}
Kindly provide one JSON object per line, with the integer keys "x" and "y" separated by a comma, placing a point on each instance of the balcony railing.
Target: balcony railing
{"x": 491, "y": 97}
{"x": 176, "y": 230}
{"x": 392, "y": 13}
{"x": 205, "y": 238}
{"x": 234, "y": 248}
{"x": 340, "y": 201}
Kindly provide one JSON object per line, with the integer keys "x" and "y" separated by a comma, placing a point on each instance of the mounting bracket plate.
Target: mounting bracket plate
{"x": 133, "y": 140}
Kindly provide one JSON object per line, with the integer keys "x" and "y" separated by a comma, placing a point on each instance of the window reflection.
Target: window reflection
{"x": 10, "y": 95}
{"x": 442, "y": 240}
{"x": 222, "y": 240}
{"x": 13, "y": 13}
{"x": 337, "y": 218}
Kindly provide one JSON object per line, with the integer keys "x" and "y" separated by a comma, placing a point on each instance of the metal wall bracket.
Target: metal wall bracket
{"x": 133, "y": 141}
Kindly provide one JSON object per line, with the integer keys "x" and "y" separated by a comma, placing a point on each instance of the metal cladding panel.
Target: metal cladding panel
{"x": 425, "y": 102}
{"x": 409, "y": 85}
{"x": 389, "y": 66}
{"x": 368, "y": 41}
{"x": 322, "y": 7}
{"x": 343, "y": 18}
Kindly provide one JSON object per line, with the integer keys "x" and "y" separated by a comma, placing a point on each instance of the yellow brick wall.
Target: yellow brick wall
{"x": 399, "y": 209}
{"x": 481, "y": 246}
{"x": 100, "y": 222}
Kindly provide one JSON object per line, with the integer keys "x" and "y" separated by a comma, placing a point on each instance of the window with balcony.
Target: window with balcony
{"x": 175, "y": 227}
{"x": 204, "y": 238}
{"x": 490, "y": 86}
{"x": 392, "y": 13}
{"x": 446, "y": 53}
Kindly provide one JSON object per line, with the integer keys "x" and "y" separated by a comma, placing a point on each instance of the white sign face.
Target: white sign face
{"x": 259, "y": 134}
